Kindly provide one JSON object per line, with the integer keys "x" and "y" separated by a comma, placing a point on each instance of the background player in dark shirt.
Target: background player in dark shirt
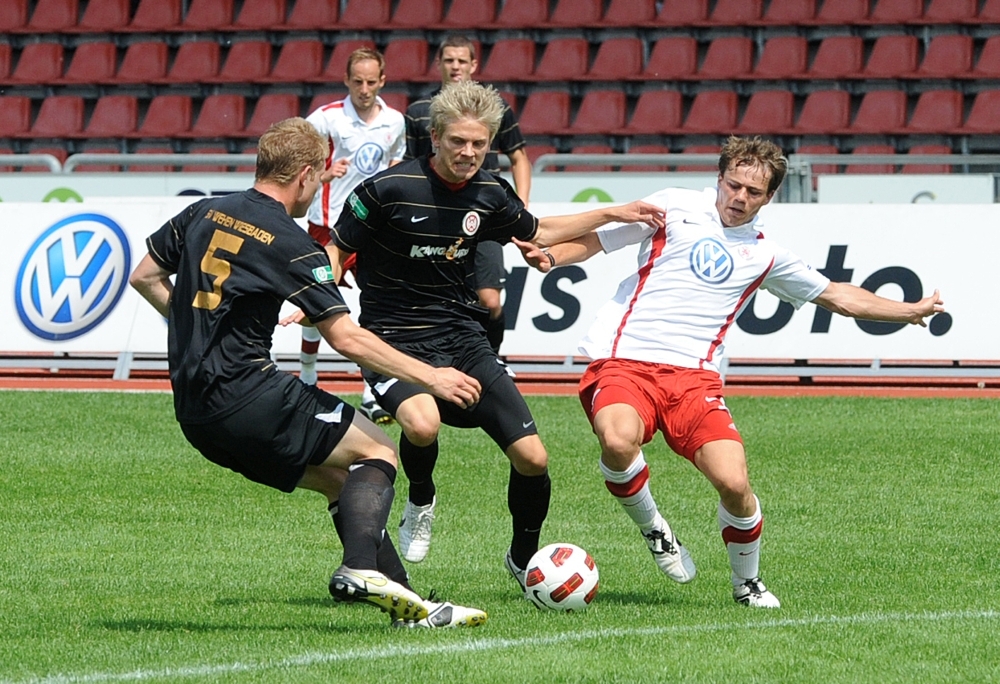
{"x": 456, "y": 58}
{"x": 237, "y": 259}
{"x": 414, "y": 229}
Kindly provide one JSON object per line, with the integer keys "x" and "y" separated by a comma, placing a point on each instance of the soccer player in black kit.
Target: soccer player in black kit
{"x": 415, "y": 229}
{"x": 237, "y": 259}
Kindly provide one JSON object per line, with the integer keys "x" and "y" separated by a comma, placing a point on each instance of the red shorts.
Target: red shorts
{"x": 320, "y": 234}
{"x": 686, "y": 404}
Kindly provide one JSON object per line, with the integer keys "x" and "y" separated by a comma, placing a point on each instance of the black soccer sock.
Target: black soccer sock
{"x": 495, "y": 330}
{"x": 364, "y": 507}
{"x": 528, "y": 502}
{"x": 418, "y": 464}
{"x": 387, "y": 560}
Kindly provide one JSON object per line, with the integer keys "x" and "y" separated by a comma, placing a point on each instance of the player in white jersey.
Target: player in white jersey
{"x": 366, "y": 136}
{"x": 655, "y": 346}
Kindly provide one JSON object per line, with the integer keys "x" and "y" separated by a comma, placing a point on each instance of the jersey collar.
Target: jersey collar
{"x": 352, "y": 113}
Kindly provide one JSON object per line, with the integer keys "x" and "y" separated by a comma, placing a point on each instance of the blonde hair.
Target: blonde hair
{"x": 288, "y": 146}
{"x": 467, "y": 99}
{"x": 362, "y": 54}
{"x": 755, "y": 151}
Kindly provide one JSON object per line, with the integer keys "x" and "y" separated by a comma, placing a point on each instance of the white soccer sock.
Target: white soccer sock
{"x": 631, "y": 488}
{"x": 742, "y": 537}
{"x": 307, "y": 357}
{"x": 367, "y": 395}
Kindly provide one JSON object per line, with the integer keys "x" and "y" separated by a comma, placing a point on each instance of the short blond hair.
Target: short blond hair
{"x": 288, "y": 146}
{"x": 755, "y": 151}
{"x": 467, "y": 100}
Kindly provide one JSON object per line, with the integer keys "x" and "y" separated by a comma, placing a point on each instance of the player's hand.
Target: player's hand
{"x": 337, "y": 170}
{"x": 455, "y": 386}
{"x": 928, "y": 306}
{"x": 533, "y": 255}
{"x": 641, "y": 212}
{"x": 298, "y": 316}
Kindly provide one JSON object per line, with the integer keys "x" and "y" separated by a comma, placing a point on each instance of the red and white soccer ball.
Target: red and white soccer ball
{"x": 561, "y": 577}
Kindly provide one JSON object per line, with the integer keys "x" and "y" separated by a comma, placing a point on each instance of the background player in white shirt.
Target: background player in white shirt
{"x": 366, "y": 136}
{"x": 654, "y": 346}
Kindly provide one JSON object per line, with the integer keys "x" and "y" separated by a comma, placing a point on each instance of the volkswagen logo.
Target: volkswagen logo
{"x": 710, "y": 261}
{"x": 72, "y": 277}
{"x": 368, "y": 158}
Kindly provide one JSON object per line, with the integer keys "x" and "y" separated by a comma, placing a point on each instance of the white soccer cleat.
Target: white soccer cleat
{"x": 754, "y": 593}
{"x": 375, "y": 413}
{"x": 373, "y": 587}
{"x": 415, "y": 531}
{"x": 673, "y": 559}
{"x": 445, "y": 615}
{"x": 519, "y": 574}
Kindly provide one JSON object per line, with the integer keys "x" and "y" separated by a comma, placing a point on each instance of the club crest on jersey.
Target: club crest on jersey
{"x": 368, "y": 158}
{"x": 323, "y": 274}
{"x": 710, "y": 261}
{"x": 470, "y": 224}
{"x": 745, "y": 252}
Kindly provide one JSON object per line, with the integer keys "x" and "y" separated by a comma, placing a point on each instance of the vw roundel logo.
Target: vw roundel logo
{"x": 72, "y": 276}
{"x": 710, "y": 261}
{"x": 368, "y": 158}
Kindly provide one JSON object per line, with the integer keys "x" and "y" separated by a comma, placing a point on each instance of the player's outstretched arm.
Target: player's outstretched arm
{"x": 856, "y": 302}
{"x": 153, "y": 282}
{"x": 555, "y": 229}
{"x": 563, "y": 254}
{"x": 368, "y": 350}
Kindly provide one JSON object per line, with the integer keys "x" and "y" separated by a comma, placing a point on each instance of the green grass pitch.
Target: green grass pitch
{"x": 126, "y": 557}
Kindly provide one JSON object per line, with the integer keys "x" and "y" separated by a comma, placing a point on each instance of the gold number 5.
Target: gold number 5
{"x": 214, "y": 266}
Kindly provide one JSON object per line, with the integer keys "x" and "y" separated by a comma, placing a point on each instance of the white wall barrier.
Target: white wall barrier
{"x": 64, "y": 271}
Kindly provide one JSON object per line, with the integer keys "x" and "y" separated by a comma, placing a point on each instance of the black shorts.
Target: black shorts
{"x": 488, "y": 264}
{"x": 501, "y": 412}
{"x": 272, "y": 439}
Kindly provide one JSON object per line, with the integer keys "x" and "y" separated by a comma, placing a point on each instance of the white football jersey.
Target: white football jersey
{"x": 370, "y": 147}
{"x": 694, "y": 277}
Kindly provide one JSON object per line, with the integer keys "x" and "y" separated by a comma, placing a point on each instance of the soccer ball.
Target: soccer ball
{"x": 561, "y": 577}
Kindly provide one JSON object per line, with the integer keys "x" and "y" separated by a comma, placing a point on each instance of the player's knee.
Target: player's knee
{"x": 528, "y": 456}
{"x": 420, "y": 430}
{"x": 618, "y": 447}
{"x": 380, "y": 452}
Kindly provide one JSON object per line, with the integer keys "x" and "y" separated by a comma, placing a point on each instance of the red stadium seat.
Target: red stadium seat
{"x": 647, "y": 168}
{"x": 837, "y": 57}
{"x": 195, "y": 62}
{"x": 843, "y": 12}
{"x": 601, "y": 111}
{"x": 729, "y": 57}
{"x": 105, "y": 15}
{"x": 166, "y": 117}
{"x": 221, "y": 116}
{"x": 397, "y": 101}
{"x": 928, "y": 168}
{"x": 54, "y": 15}
{"x": 892, "y": 57}
{"x": 937, "y": 111}
{"x": 589, "y": 168}
{"x": 97, "y": 167}
{"x": 144, "y": 62}
{"x": 201, "y": 148}
{"x": 336, "y": 66}
{"x": 206, "y": 15}
{"x": 40, "y": 63}
{"x": 536, "y": 151}
{"x": 736, "y": 12}
{"x": 824, "y": 112}
{"x": 417, "y": 14}
{"x": 270, "y": 109}
{"x": 114, "y": 116}
{"x": 312, "y": 14}
{"x": 768, "y": 111}
{"x": 630, "y": 12}
{"x": 881, "y": 111}
{"x": 15, "y": 115}
{"x": 983, "y": 115}
{"x": 871, "y": 168}
{"x": 819, "y": 149}
{"x": 323, "y": 99}
{"x": 5, "y": 59}
{"x": 656, "y": 112}
{"x": 511, "y": 59}
{"x": 700, "y": 149}
{"x": 365, "y": 14}
{"x": 712, "y": 111}
{"x": 950, "y": 11}
{"x": 545, "y": 112}
{"x": 896, "y": 11}
{"x": 948, "y": 56}
{"x": 92, "y": 63}
{"x": 14, "y": 16}
{"x": 511, "y": 100}
{"x": 783, "y": 57}
{"x": 672, "y": 58}
{"x": 565, "y": 59}
{"x": 789, "y": 12}
{"x": 151, "y": 168}
{"x": 682, "y": 13}
{"x": 522, "y": 14}
{"x": 157, "y": 15}
{"x": 58, "y": 152}
{"x": 576, "y": 13}
{"x": 248, "y": 168}
{"x": 988, "y": 65}
{"x": 261, "y": 15}
{"x": 406, "y": 60}
{"x": 247, "y": 62}
{"x": 299, "y": 60}
{"x": 61, "y": 116}
{"x": 617, "y": 58}
{"x": 989, "y": 12}
{"x": 468, "y": 14}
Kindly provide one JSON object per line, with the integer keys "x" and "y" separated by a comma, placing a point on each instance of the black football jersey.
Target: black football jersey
{"x": 237, "y": 259}
{"x": 415, "y": 237}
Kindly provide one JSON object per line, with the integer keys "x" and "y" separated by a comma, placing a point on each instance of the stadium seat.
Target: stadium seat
{"x": 57, "y": 151}
{"x": 928, "y": 168}
{"x": 144, "y": 62}
{"x": 768, "y": 111}
{"x": 736, "y": 12}
{"x": 156, "y": 15}
{"x": 617, "y": 59}
{"x": 656, "y": 112}
{"x": 728, "y": 57}
{"x": 712, "y": 111}
{"x": 261, "y": 15}
{"x": 589, "y": 168}
{"x": 576, "y": 13}
{"x": 92, "y": 63}
{"x": 536, "y": 151}
{"x": 336, "y": 66}
{"x": 630, "y": 13}
{"x": 511, "y": 59}
{"x": 647, "y": 168}
{"x": 406, "y": 60}
{"x": 272, "y": 108}
{"x": 39, "y": 63}
{"x": 417, "y": 14}
{"x": 819, "y": 149}
{"x": 299, "y": 60}
{"x": 14, "y": 16}
{"x": 468, "y": 14}
{"x": 151, "y": 168}
{"x": 114, "y": 116}
{"x": 166, "y": 117}
{"x": 672, "y": 58}
{"x": 105, "y": 15}
{"x": 15, "y": 115}
{"x": 948, "y": 56}
{"x": 988, "y": 64}
{"x": 564, "y": 59}
{"x": 545, "y": 112}
{"x": 312, "y": 14}
{"x": 824, "y": 112}
{"x": 983, "y": 115}
{"x": 789, "y": 12}
{"x": 61, "y": 116}
{"x": 511, "y": 99}
{"x": 98, "y": 167}
{"x": 871, "y": 168}
{"x": 843, "y": 12}
{"x": 395, "y": 100}
{"x": 682, "y": 13}
{"x": 700, "y": 149}
{"x": 522, "y": 14}
{"x": 221, "y": 116}
{"x": 5, "y": 59}
{"x": 837, "y": 57}
{"x": 601, "y": 111}
{"x": 896, "y": 11}
{"x": 203, "y": 148}
{"x": 365, "y": 14}
{"x": 248, "y": 168}
{"x": 323, "y": 99}
{"x": 248, "y": 62}
{"x": 937, "y": 111}
{"x": 783, "y": 57}
{"x": 892, "y": 57}
{"x": 950, "y": 11}
{"x": 989, "y": 12}
{"x": 881, "y": 111}
{"x": 52, "y": 16}
{"x": 208, "y": 15}
{"x": 195, "y": 62}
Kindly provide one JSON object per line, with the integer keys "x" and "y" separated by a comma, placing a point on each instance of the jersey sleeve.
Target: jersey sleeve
{"x": 319, "y": 122}
{"x": 362, "y": 214}
{"x": 308, "y": 284}
{"x": 418, "y": 137}
{"x": 167, "y": 243}
{"x": 615, "y": 236}
{"x": 793, "y": 280}
{"x": 509, "y": 137}
{"x": 397, "y": 151}
{"x": 512, "y": 220}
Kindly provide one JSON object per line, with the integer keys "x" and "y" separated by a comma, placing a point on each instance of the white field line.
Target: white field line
{"x": 488, "y": 644}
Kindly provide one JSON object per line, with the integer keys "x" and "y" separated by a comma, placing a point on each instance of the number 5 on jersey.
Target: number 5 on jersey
{"x": 219, "y": 268}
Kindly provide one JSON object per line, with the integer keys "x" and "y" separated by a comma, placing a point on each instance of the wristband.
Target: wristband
{"x": 552, "y": 259}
